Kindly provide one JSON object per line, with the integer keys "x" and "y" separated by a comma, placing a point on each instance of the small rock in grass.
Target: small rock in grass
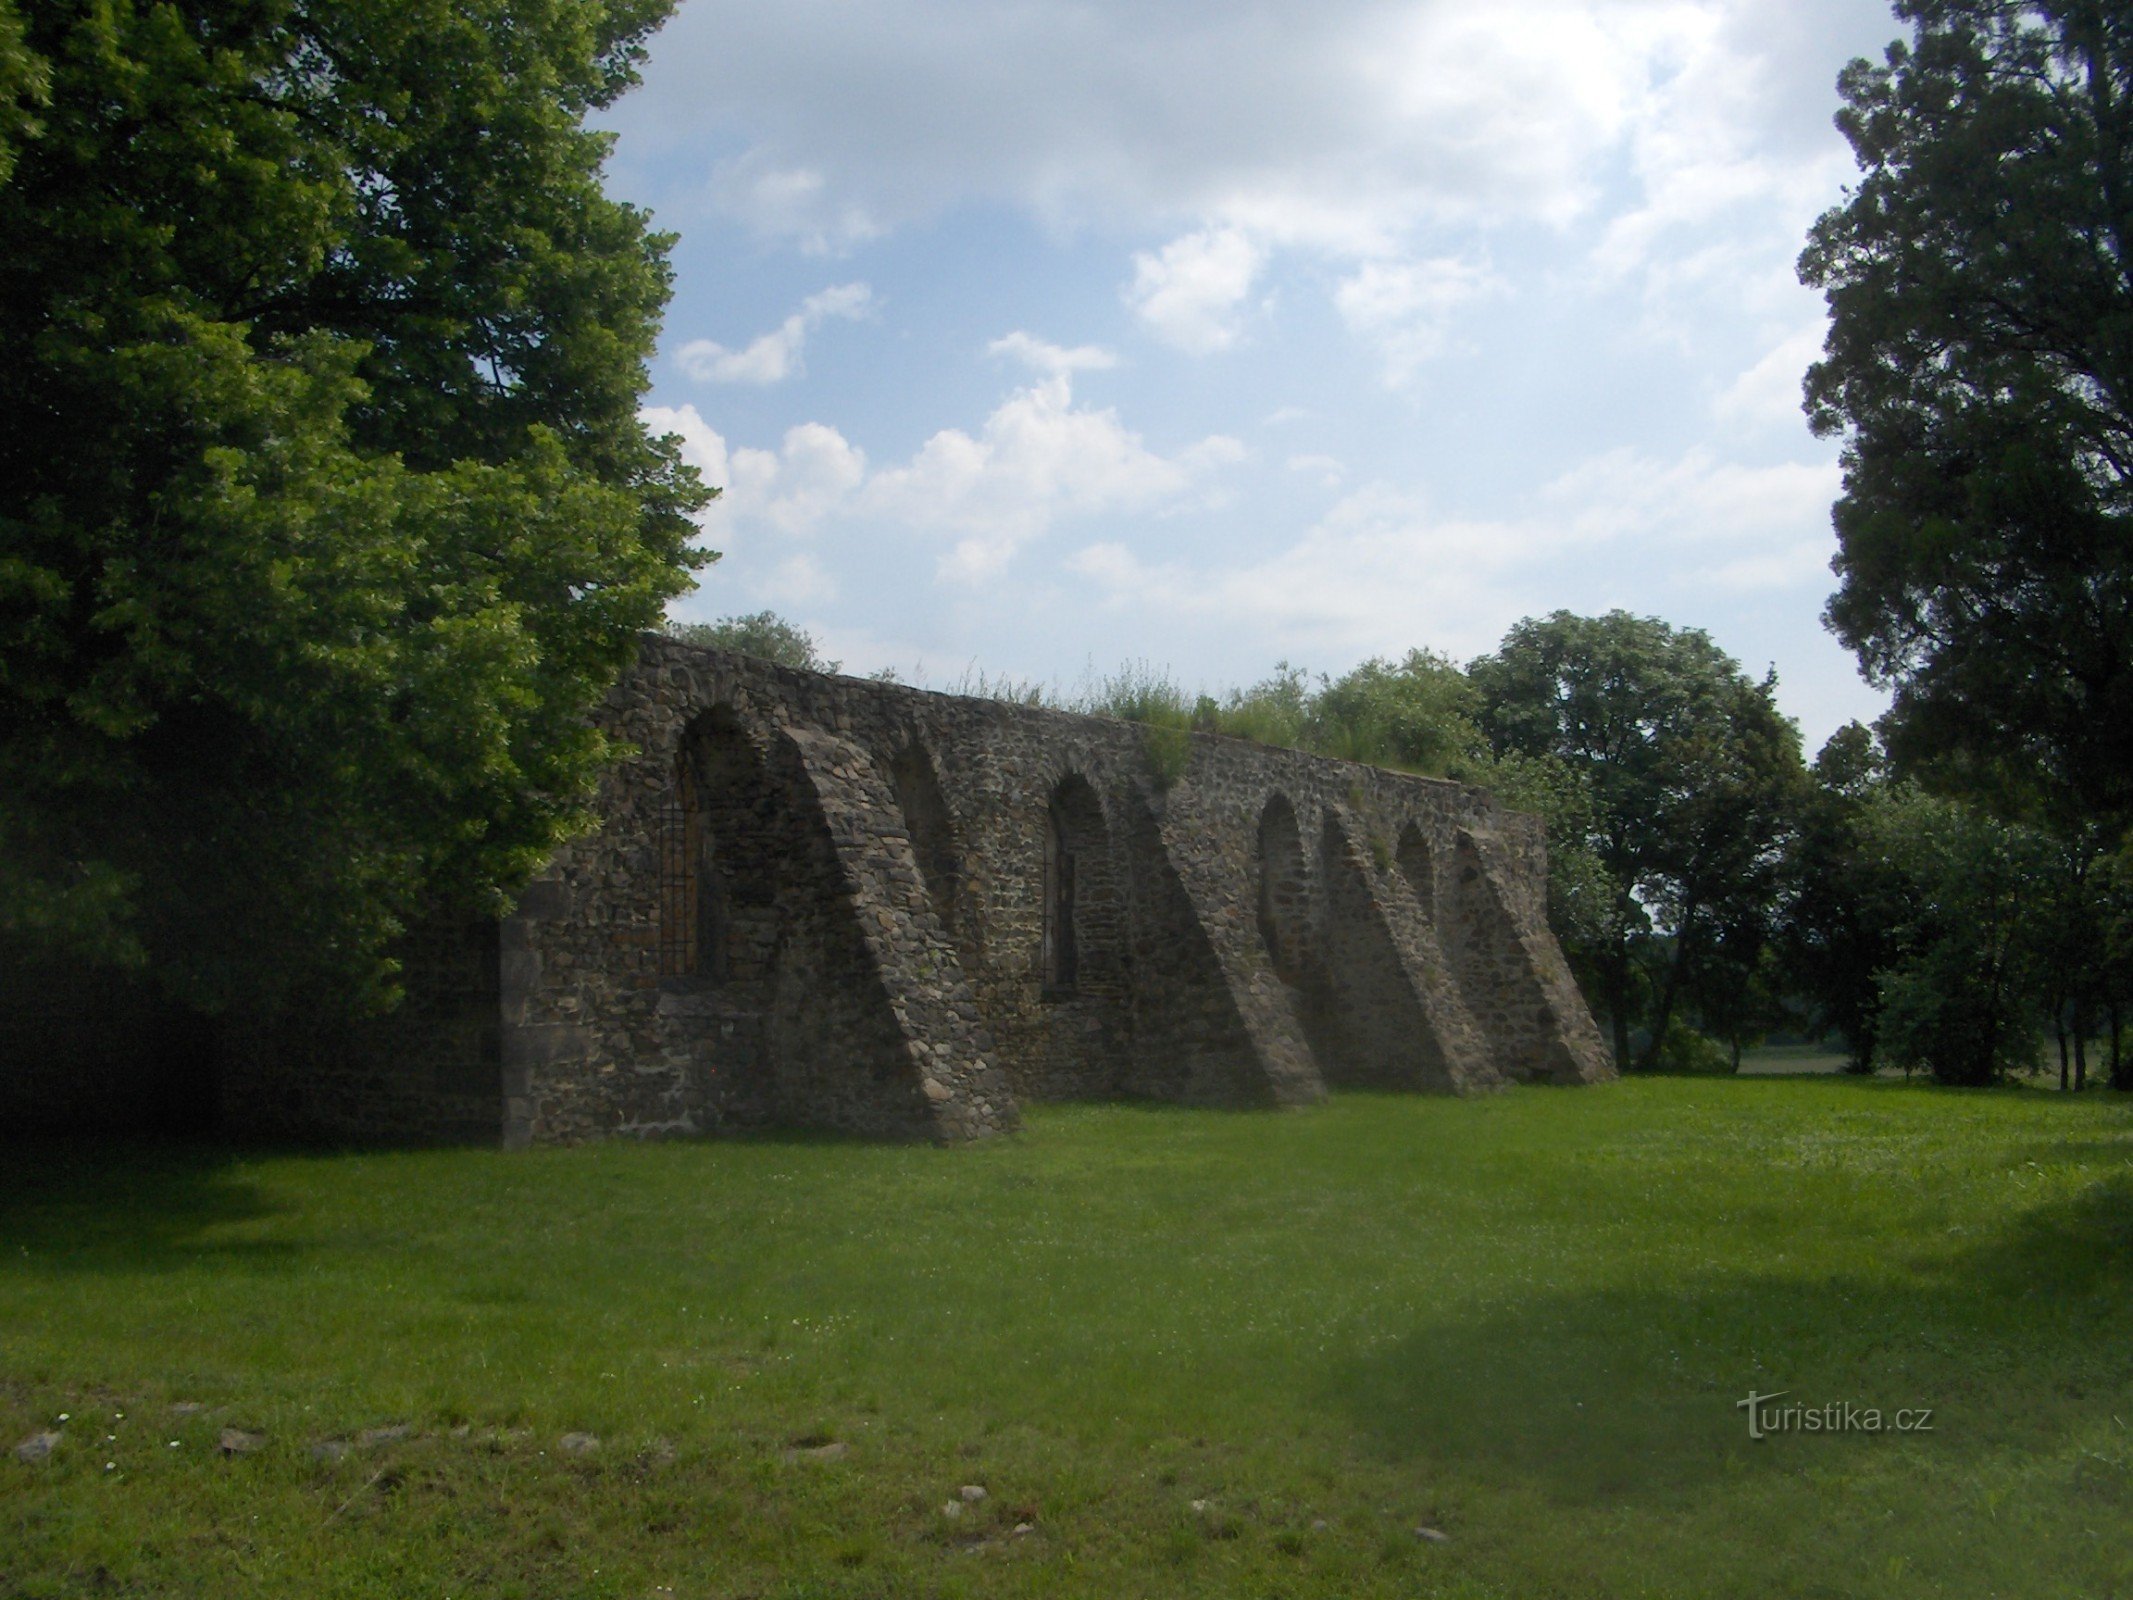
{"x": 1022, "y": 1528}
{"x": 836, "y": 1450}
{"x": 329, "y": 1450}
{"x": 240, "y": 1441}
{"x": 1320, "y": 1524}
{"x": 579, "y": 1444}
{"x": 391, "y": 1433}
{"x": 1203, "y": 1506}
{"x": 187, "y": 1408}
{"x": 972, "y": 1493}
{"x": 36, "y": 1447}
{"x": 952, "y": 1510}
{"x": 1433, "y": 1535}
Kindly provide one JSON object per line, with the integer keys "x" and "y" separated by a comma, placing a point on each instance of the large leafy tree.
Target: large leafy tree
{"x": 1692, "y": 777}
{"x": 325, "y": 512}
{"x": 1979, "y": 370}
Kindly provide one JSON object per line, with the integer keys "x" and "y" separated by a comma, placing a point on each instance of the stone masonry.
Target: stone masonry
{"x": 816, "y": 901}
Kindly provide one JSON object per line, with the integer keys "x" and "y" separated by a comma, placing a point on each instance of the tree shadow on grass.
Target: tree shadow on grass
{"x": 1632, "y": 1393}
{"x": 100, "y": 1205}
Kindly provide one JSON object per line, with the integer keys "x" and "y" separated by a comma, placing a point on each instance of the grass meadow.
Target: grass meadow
{"x": 1387, "y": 1347}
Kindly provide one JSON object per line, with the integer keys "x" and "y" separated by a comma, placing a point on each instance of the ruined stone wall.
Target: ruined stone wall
{"x": 826, "y": 902}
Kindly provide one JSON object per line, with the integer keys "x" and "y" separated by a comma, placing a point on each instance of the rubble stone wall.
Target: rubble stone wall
{"x": 826, "y": 902}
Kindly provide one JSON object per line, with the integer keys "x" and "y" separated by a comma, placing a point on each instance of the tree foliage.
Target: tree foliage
{"x": 325, "y": 512}
{"x": 1979, "y": 370}
{"x": 760, "y": 633}
{"x": 1692, "y": 776}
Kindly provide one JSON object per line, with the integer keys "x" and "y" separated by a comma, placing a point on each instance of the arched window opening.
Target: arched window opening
{"x": 931, "y": 829}
{"x": 1418, "y": 866}
{"x": 681, "y": 909}
{"x": 1284, "y": 892}
{"x": 1062, "y": 954}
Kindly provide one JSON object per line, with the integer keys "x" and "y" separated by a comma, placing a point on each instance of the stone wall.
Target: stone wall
{"x": 824, "y": 902}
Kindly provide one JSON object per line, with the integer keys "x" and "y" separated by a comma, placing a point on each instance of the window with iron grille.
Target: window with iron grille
{"x": 680, "y": 865}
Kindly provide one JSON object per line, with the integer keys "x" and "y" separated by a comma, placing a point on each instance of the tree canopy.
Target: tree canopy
{"x": 1979, "y": 370}
{"x": 1692, "y": 775}
{"x": 325, "y": 510}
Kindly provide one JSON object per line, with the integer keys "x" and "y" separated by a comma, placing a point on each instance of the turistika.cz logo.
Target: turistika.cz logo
{"x": 1765, "y": 1417}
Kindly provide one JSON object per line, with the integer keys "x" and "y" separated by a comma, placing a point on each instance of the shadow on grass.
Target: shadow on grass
{"x": 100, "y": 1205}
{"x": 1633, "y": 1394}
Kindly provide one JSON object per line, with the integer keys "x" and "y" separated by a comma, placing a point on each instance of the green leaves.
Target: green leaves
{"x": 1979, "y": 370}
{"x": 1690, "y": 779}
{"x": 328, "y": 514}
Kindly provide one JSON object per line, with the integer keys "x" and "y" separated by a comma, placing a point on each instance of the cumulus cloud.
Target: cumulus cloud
{"x": 789, "y": 491}
{"x": 1037, "y": 459}
{"x": 1406, "y": 307}
{"x": 776, "y": 355}
{"x": 1384, "y": 567}
{"x": 1188, "y": 293}
{"x": 1343, "y": 122}
{"x": 1050, "y": 359}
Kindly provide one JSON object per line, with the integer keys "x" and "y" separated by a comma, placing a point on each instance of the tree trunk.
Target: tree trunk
{"x": 2081, "y": 1045}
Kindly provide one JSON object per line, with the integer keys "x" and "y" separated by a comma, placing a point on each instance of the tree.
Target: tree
{"x": 1961, "y": 997}
{"x": 1979, "y": 369}
{"x": 1692, "y": 775}
{"x": 1842, "y": 903}
{"x": 760, "y": 633}
{"x": 325, "y": 512}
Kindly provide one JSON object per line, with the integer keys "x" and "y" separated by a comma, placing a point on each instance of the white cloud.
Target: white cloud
{"x": 776, "y": 355}
{"x": 1189, "y": 293}
{"x": 1050, "y": 359}
{"x": 1344, "y": 124}
{"x": 1768, "y": 393}
{"x": 1383, "y": 568}
{"x": 1326, "y": 469}
{"x": 789, "y": 491}
{"x": 1037, "y": 459}
{"x": 1406, "y": 307}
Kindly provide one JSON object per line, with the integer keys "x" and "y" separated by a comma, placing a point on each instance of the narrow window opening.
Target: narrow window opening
{"x": 1061, "y": 952}
{"x": 682, "y": 905}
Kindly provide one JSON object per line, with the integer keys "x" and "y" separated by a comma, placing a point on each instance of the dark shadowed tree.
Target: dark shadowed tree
{"x": 1692, "y": 776}
{"x": 325, "y": 511}
{"x": 1842, "y": 903}
{"x": 1979, "y": 370}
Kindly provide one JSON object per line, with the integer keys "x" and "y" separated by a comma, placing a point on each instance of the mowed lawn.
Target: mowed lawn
{"x": 1389, "y": 1346}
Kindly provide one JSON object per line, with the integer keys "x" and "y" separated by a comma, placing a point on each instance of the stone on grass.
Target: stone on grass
{"x": 579, "y": 1444}
{"x": 391, "y": 1433}
{"x": 836, "y": 1450}
{"x": 329, "y": 1450}
{"x": 1433, "y": 1535}
{"x": 972, "y": 1493}
{"x": 36, "y": 1447}
{"x": 240, "y": 1441}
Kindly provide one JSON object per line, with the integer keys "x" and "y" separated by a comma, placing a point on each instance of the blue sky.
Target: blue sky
{"x": 1040, "y": 337}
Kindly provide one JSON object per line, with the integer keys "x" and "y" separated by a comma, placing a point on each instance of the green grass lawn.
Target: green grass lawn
{"x": 1188, "y": 1353}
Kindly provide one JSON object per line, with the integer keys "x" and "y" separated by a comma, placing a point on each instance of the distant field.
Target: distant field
{"x": 1389, "y": 1347}
{"x": 1772, "y": 1060}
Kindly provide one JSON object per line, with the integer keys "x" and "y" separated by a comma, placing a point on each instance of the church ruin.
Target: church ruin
{"x": 817, "y": 901}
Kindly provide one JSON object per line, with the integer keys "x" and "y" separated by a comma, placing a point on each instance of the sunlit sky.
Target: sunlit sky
{"x": 1030, "y": 339}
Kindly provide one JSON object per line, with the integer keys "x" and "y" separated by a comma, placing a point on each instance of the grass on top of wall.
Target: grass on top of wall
{"x": 1387, "y": 1347}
